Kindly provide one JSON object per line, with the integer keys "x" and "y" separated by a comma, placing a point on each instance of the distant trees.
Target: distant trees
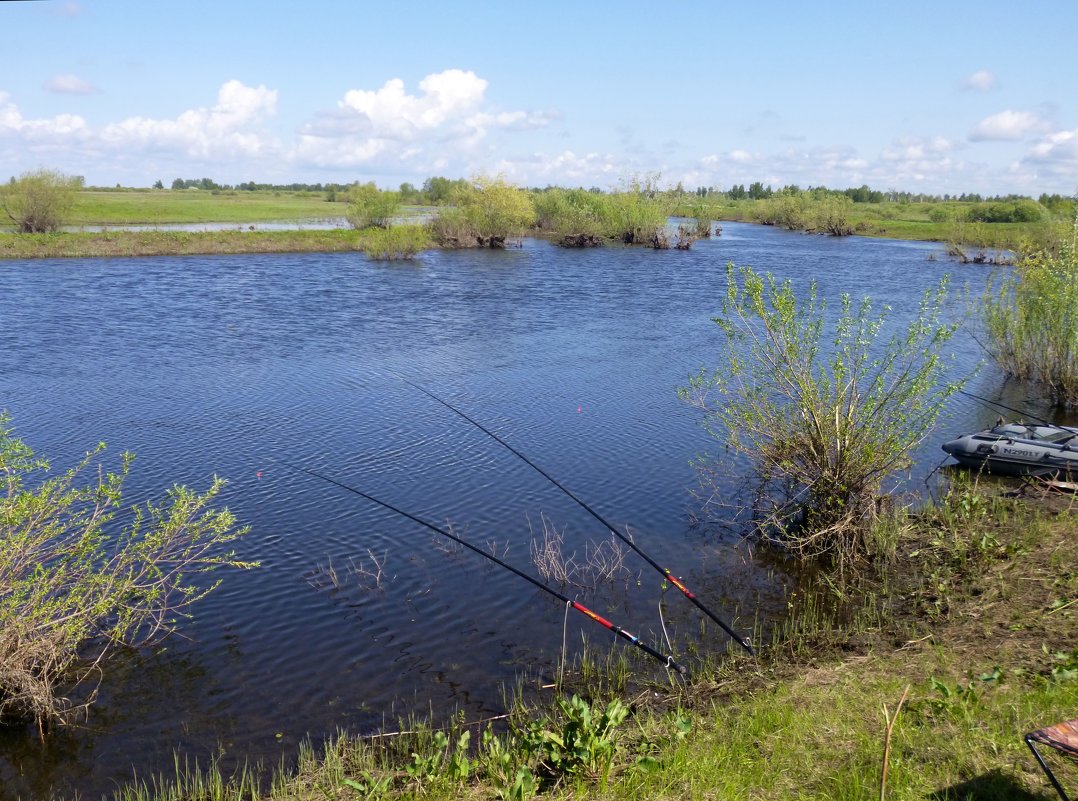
{"x": 196, "y": 183}
{"x": 39, "y": 201}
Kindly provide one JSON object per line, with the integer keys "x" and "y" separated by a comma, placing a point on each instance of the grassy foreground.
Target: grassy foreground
{"x": 970, "y": 631}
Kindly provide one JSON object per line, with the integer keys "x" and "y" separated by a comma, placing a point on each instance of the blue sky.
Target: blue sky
{"x": 937, "y": 97}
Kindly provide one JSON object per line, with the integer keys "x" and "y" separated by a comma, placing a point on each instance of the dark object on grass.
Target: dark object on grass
{"x": 1063, "y": 737}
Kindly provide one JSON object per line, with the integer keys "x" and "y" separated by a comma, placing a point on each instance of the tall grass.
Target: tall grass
{"x": 1032, "y": 320}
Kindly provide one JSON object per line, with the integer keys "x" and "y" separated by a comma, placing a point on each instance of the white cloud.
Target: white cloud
{"x": 914, "y": 149}
{"x": 980, "y": 81}
{"x": 1008, "y": 126}
{"x": 387, "y": 126}
{"x": 69, "y": 85}
{"x": 60, "y": 127}
{"x": 228, "y": 128}
{"x": 391, "y": 113}
{"x": 1054, "y": 156}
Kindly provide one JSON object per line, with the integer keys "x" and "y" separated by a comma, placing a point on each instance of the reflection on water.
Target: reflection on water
{"x": 229, "y": 364}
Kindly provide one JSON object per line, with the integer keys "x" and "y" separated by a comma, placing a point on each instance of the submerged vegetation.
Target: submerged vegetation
{"x": 74, "y": 588}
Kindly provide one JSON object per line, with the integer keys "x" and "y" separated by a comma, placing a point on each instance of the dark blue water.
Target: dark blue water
{"x": 226, "y": 365}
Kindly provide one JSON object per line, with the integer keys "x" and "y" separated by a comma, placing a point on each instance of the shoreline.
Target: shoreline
{"x": 232, "y": 241}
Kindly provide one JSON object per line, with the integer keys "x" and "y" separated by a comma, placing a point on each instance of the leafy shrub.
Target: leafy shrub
{"x": 73, "y": 587}
{"x": 1017, "y": 211}
{"x": 488, "y": 212}
{"x": 402, "y": 242}
{"x": 371, "y": 207}
{"x": 38, "y": 202}
{"x": 823, "y": 420}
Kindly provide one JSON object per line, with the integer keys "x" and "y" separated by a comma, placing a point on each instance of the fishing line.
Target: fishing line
{"x": 666, "y": 659}
{"x": 744, "y": 642}
{"x": 1005, "y": 407}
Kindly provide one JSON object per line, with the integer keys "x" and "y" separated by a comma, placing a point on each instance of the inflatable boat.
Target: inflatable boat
{"x": 1014, "y": 449}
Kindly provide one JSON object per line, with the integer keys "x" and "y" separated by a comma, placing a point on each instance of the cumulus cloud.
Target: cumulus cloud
{"x": 1054, "y": 155}
{"x": 228, "y": 128}
{"x": 980, "y": 81}
{"x": 389, "y": 124}
{"x": 60, "y": 127}
{"x": 69, "y": 85}
{"x": 1008, "y": 126}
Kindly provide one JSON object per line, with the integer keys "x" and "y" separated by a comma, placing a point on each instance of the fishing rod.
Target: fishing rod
{"x": 744, "y": 642}
{"x": 1005, "y": 407}
{"x": 602, "y": 621}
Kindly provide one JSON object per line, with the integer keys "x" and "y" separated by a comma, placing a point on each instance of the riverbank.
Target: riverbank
{"x": 971, "y": 631}
{"x": 185, "y": 243}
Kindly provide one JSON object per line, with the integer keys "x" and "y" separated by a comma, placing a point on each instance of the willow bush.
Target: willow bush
{"x": 486, "y": 212}
{"x": 1032, "y": 319}
{"x": 74, "y": 585}
{"x": 40, "y": 201}
{"x": 821, "y": 406}
{"x": 371, "y": 207}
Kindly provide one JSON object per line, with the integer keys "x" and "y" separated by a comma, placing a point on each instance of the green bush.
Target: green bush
{"x": 402, "y": 242}
{"x": 370, "y": 207}
{"x": 74, "y": 585}
{"x": 635, "y": 215}
{"x": 39, "y": 202}
{"x": 823, "y": 419}
{"x": 488, "y": 212}
{"x": 1017, "y": 211}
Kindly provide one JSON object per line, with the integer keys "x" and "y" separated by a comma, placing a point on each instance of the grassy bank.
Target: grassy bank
{"x": 928, "y": 222}
{"x": 188, "y": 243}
{"x": 974, "y": 623}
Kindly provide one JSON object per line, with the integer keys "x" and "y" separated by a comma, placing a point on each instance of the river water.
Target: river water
{"x": 227, "y": 365}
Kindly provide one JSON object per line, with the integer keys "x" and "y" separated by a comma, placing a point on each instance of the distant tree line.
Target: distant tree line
{"x": 437, "y": 190}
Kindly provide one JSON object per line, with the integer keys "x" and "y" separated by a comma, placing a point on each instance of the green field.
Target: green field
{"x": 160, "y": 206}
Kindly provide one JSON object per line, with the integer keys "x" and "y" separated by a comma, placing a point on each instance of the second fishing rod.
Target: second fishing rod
{"x": 632, "y": 639}
{"x": 743, "y": 641}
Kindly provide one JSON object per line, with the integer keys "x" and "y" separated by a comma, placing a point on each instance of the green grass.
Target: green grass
{"x": 158, "y": 206}
{"x": 975, "y": 617}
